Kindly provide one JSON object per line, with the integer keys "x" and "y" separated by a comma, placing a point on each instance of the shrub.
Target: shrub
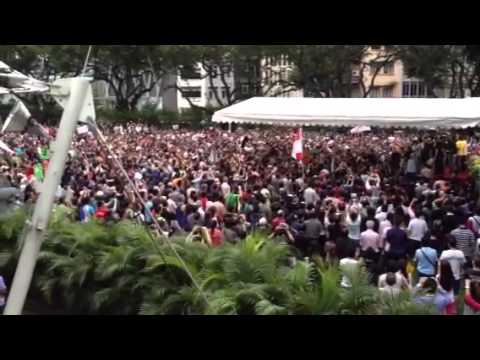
{"x": 119, "y": 269}
{"x": 150, "y": 115}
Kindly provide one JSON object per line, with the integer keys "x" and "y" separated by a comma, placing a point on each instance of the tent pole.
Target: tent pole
{"x": 38, "y": 226}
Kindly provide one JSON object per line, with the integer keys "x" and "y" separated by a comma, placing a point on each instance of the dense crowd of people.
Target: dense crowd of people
{"x": 403, "y": 202}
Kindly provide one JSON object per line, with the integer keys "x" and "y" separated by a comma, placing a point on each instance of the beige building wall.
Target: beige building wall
{"x": 389, "y": 80}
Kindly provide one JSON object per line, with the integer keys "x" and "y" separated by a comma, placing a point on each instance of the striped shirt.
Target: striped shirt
{"x": 465, "y": 240}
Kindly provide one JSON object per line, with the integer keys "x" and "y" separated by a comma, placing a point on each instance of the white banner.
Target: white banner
{"x": 83, "y": 130}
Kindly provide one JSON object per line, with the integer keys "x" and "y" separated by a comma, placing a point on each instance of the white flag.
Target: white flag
{"x": 297, "y": 151}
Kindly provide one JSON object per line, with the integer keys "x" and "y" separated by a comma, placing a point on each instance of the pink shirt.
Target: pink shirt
{"x": 369, "y": 239}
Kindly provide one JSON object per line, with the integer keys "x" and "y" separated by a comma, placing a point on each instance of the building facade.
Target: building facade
{"x": 225, "y": 84}
{"x": 276, "y": 73}
{"x": 391, "y": 79}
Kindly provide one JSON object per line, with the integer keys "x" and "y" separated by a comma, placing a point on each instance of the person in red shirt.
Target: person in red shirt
{"x": 472, "y": 297}
{"x": 278, "y": 220}
{"x": 216, "y": 235}
{"x": 102, "y": 212}
{"x": 203, "y": 201}
{"x": 29, "y": 171}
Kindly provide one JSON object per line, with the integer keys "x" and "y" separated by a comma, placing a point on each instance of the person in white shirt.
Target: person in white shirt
{"x": 390, "y": 288}
{"x": 353, "y": 222}
{"x": 225, "y": 188}
{"x": 401, "y": 282}
{"x": 457, "y": 260}
{"x": 310, "y": 196}
{"x": 416, "y": 230}
{"x": 384, "y": 226}
{"x": 348, "y": 265}
{"x": 382, "y": 215}
{"x": 370, "y": 239}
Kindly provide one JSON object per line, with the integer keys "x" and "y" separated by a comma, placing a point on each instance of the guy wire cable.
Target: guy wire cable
{"x": 137, "y": 194}
{"x": 155, "y": 221}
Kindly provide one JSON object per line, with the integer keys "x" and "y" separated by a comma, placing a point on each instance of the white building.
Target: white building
{"x": 276, "y": 71}
{"x": 206, "y": 88}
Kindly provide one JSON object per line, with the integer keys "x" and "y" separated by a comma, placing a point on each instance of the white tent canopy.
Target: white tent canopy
{"x": 353, "y": 112}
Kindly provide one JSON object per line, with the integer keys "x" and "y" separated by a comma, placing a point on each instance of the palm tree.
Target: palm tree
{"x": 93, "y": 268}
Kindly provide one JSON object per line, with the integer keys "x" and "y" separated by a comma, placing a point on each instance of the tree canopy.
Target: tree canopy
{"x": 132, "y": 71}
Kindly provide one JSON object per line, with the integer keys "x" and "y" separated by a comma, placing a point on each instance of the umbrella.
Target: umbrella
{"x": 360, "y": 129}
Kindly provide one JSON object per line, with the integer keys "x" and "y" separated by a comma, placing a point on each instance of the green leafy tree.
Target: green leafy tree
{"x": 325, "y": 70}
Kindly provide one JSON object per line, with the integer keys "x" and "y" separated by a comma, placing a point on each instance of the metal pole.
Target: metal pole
{"x": 38, "y": 226}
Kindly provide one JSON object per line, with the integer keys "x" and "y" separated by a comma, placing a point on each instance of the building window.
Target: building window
{"x": 383, "y": 69}
{"x": 388, "y": 92}
{"x": 406, "y": 89}
{"x": 245, "y": 89}
{"x": 192, "y": 92}
{"x": 190, "y": 72}
{"x": 414, "y": 89}
{"x": 224, "y": 92}
{"x": 389, "y": 68}
{"x": 421, "y": 89}
{"x": 375, "y": 92}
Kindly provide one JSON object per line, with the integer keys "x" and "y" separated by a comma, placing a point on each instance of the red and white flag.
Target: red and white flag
{"x": 297, "y": 151}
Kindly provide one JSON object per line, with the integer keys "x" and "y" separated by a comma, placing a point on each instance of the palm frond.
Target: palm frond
{"x": 361, "y": 297}
{"x": 265, "y": 307}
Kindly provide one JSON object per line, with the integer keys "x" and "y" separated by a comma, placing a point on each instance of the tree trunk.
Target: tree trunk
{"x": 453, "y": 85}
{"x": 430, "y": 92}
{"x": 122, "y": 104}
{"x": 460, "y": 80}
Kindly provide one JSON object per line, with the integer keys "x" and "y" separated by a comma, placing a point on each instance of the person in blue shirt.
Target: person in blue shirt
{"x": 396, "y": 241}
{"x": 86, "y": 211}
{"x": 3, "y": 293}
{"x": 19, "y": 151}
{"x": 427, "y": 293}
{"x": 426, "y": 259}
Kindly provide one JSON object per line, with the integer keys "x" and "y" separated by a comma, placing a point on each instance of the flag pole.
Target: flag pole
{"x": 37, "y": 227}
{"x": 303, "y": 157}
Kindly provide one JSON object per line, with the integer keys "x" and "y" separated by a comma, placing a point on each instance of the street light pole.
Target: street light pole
{"x": 43, "y": 208}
